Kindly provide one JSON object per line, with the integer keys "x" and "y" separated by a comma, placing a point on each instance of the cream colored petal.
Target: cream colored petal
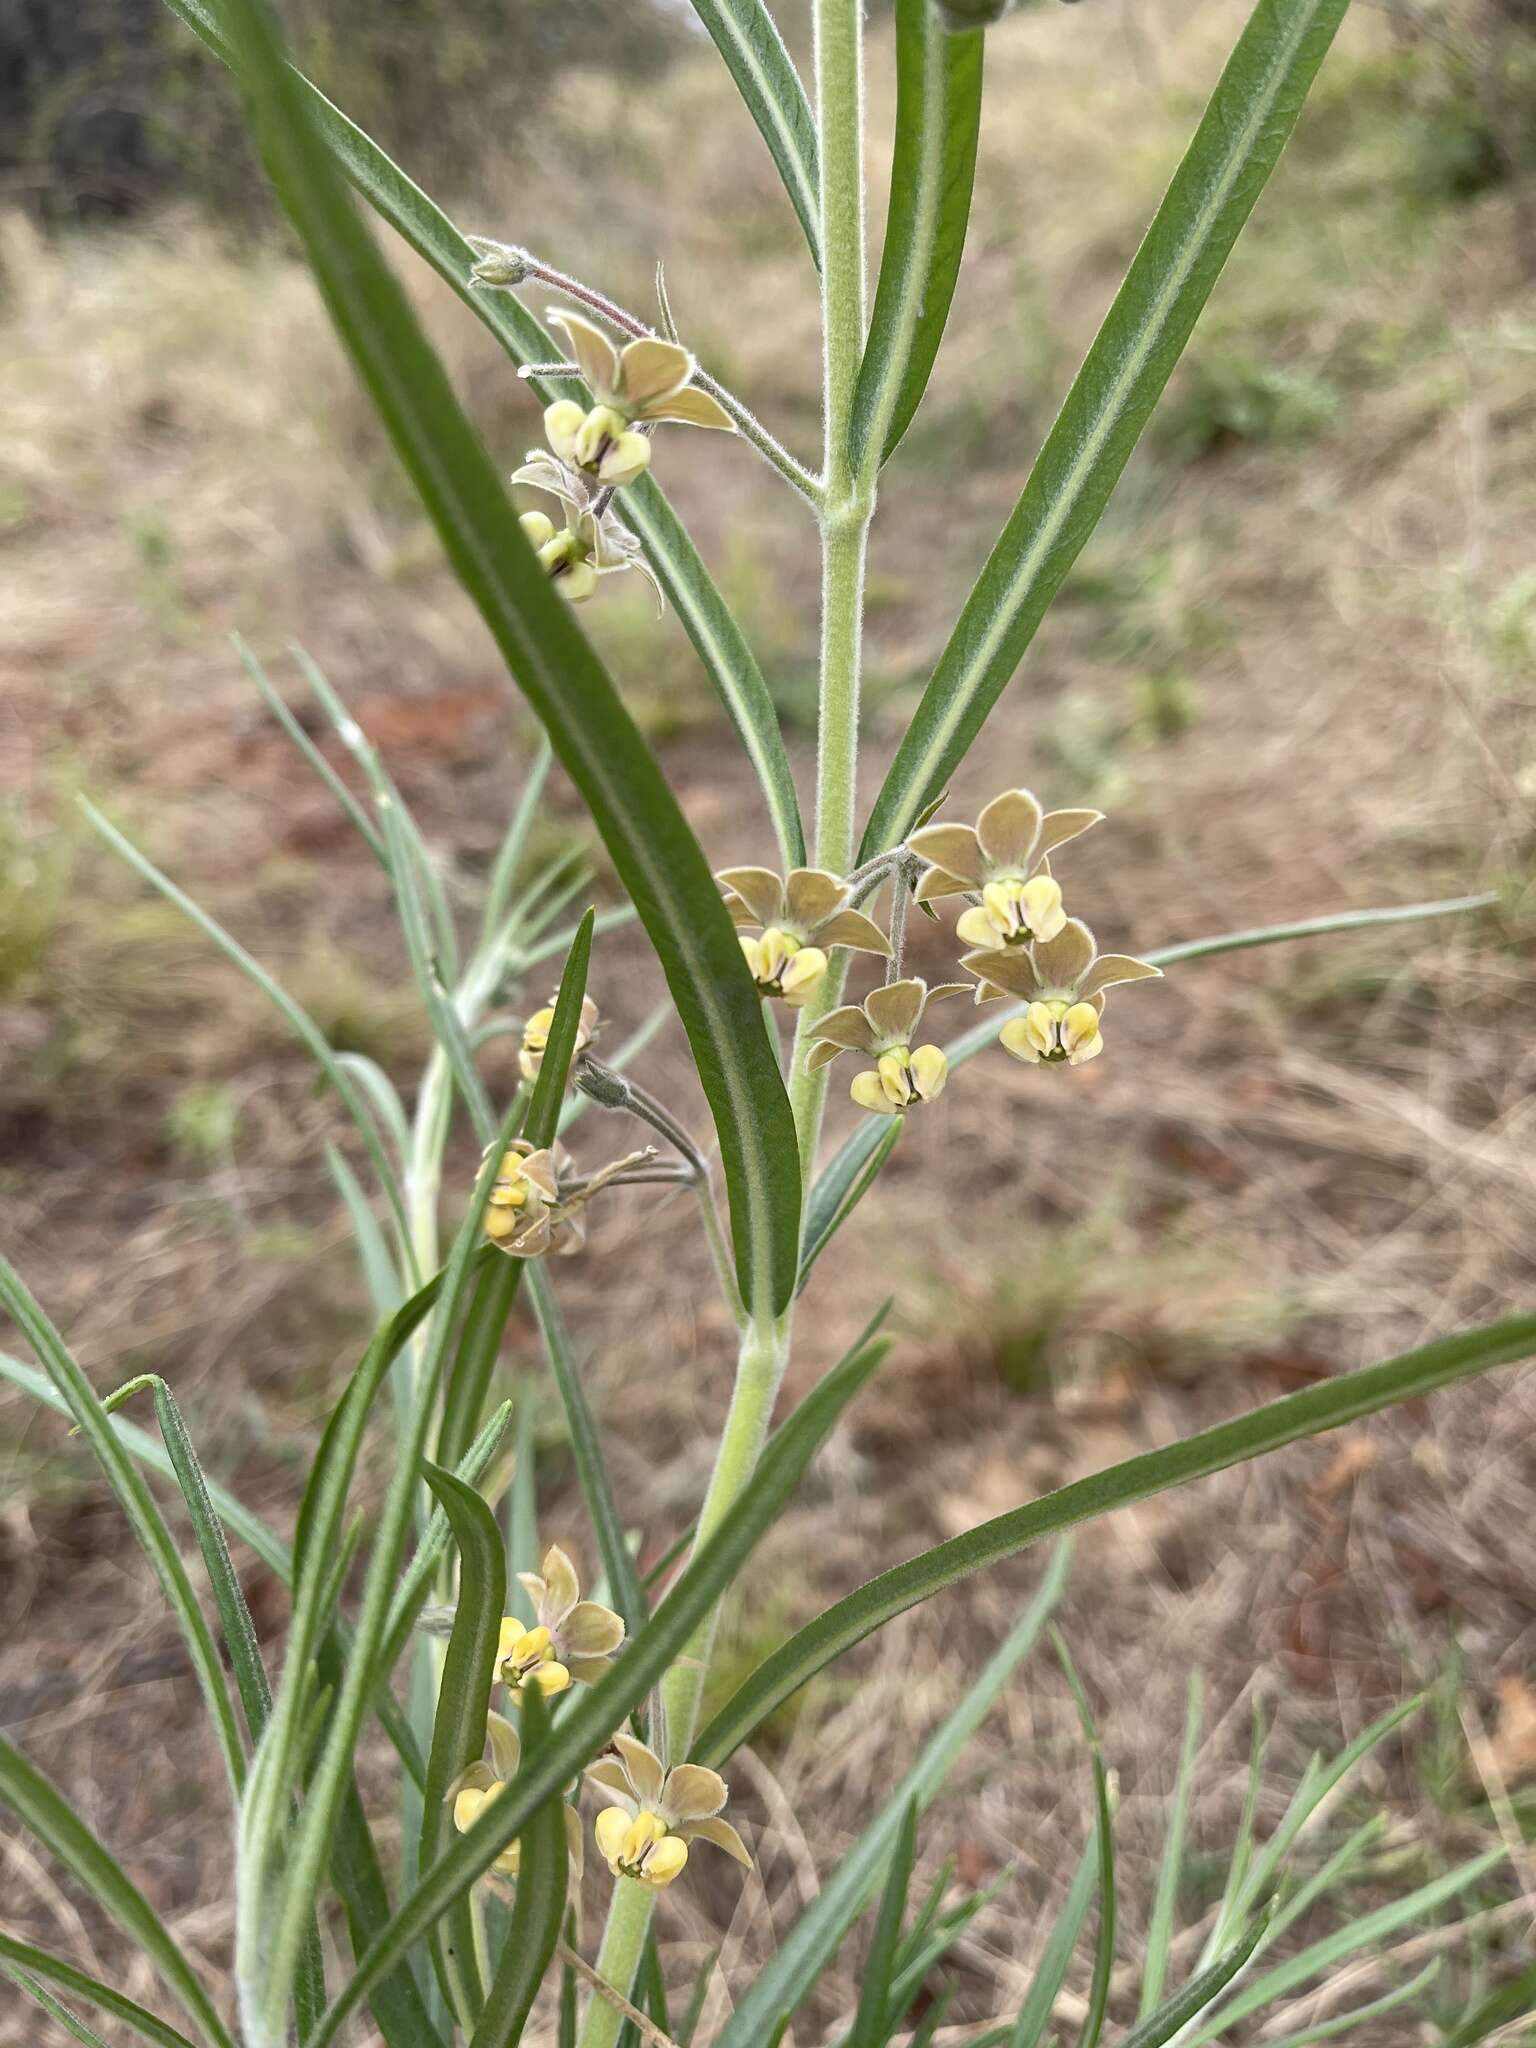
{"x": 563, "y": 422}
{"x": 943, "y": 991}
{"x": 692, "y": 408}
{"x": 1111, "y": 969}
{"x": 596, "y": 356}
{"x": 1009, "y": 969}
{"x": 1040, "y": 899}
{"x": 740, "y": 912}
{"x": 691, "y": 1793}
{"x": 611, "y": 1831}
{"x": 894, "y": 1009}
{"x": 955, "y": 848}
{"x": 650, "y": 369}
{"x": 532, "y": 1241}
{"x": 803, "y": 976}
{"x": 895, "y": 1079}
{"x": 759, "y": 888}
{"x": 564, "y": 1587}
{"x": 853, "y": 928}
{"x": 587, "y": 1670}
{"x": 812, "y": 895}
{"x": 474, "y": 1781}
{"x": 610, "y": 1775}
{"x": 938, "y": 882}
{"x": 539, "y": 1171}
{"x": 643, "y": 1766}
{"x": 534, "y": 1587}
{"x": 822, "y": 1053}
{"x": 592, "y": 1631}
{"x": 1063, "y": 961}
{"x": 506, "y": 1749}
{"x": 868, "y": 1093}
{"x": 847, "y": 1027}
{"x": 1057, "y": 827}
{"x": 509, "y": 1635}
{"x": 575, "y": 1842}
{"x": 1085, "y": 1049}
{"x": 1009, "y": 828}
{"x": 721, "y": 1833}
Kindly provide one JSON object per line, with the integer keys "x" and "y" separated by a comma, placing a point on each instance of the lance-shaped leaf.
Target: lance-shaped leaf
{"x": 747, "y": 37}
{"x": 1309, "y": 1413}
{"x": 1235, "y": 148}
{"x": 707, "y": 619}
{"x": 38, "y": 1963}
{"x": 938, "y": 115}
{"x": 656, "y": 855}
{"x": 543, "y": 1875}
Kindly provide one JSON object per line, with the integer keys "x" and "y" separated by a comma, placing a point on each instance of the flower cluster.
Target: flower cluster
{"x": 538, "y": 1201}
{"x": 596, "y": 450}
{"x": 646, "y": 1835}
{"x": 536, "y": 1035}
{"x": 1022, "y": 944}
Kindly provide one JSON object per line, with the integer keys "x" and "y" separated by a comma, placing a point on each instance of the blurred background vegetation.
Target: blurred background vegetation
{"x": 1297, "y": 664}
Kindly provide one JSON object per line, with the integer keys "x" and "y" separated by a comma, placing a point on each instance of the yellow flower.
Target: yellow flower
{"x": 1002, "y": 857}
{"x": 579, "y": 1636}
{"x": 883, "y": 1026}
{"x": 473, "y": 1790}
{"x": 1063, "y": 982}
{"x": 801, "y": 915}
{"x": 590, "y": 545}
{"x": 536, "y": 1035}
{"x": 648, "y": 380}
{"x": 646, "y": 1836}
{"x": 524, "y": 1215}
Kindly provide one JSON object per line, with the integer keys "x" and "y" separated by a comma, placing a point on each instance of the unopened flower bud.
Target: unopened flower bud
{"x": 538, "y": 527}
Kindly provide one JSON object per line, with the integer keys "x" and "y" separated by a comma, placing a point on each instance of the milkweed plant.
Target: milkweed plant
{"x": 542, "y": 1708}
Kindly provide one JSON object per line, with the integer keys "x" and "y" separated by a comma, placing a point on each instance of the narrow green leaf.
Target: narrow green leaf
{"x": 40, "y": 1807}
{"x": 303, "y": 1025}
{"x": 1188, "y": 2003}
{"x": 817, "y": 1934}
{"x": 1171, "y": 1866}
{"x": 745, "y": 34}
{"x": 938, "y": 116}
{"x": 707, "y": 619}
{"x": 1404, "y": 1994}
{"x": 696, "y": 1999}
{"x": 539, "y": 1904}
{"x": 138, "y": 1505}
{"x": 411, "y": 1593}
{"x": 278, "y": 706}
{"x": 872, "y": 2020}
{"x": 69, "y": 2021}
{"x": 458, "y": 1731}
{"x": 1309, "y": 1413}
{"x": 560, "y": 1049}
{"x": 847, "y": 1179}
{"x": 474, "y": 1361}
{"x": 40, "y": 1964}
{"x": 1365, "y": 1932}
{"x": 655, "y": 853}
{"x": 587, "y": 1452}
{"x": 378, "y": 1268}
{"x": 514, "y": 843}
{"x": 382, "y": 1097}
{"x": 588, "y": 1722}
{"x": 1238, "y": 143}
{"x": 1104, "y": 1945}
{"x": 1056, "y": 1957}
{"x": 523, "y": 1508}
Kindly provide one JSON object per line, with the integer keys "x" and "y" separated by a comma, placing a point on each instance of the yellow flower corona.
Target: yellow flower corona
{"x": 639, "y": 1847}
{"x": 526, "y": 1656}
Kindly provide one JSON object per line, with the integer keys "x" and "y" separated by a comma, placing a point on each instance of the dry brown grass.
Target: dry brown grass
{"x": 1288, "y": 1163}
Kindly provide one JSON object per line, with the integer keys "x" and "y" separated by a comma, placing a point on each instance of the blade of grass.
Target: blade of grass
{"x": 278, "y": 706}
{"x": 60, "y": 2013}
{"x": 42, "y": 1808}
{"x": 1171, "y": 1867}
{"x": 872, "y": 2020}
{"x": 378, "y": 1268}
{"x": 1293, "y": 1417}
{"x": 138, "y": 1505}
{"x": 40, "y": 1964}
{"x": 1404, "y": 1994}
{"x": 588, "y": 1722}
{"x": 1104, "y": 1828}
{"x": 1056, "y": 1957}
{"x": 458, "y": 1730}
{"x": 1237, "y": 145}
{"x": 1188, "y": 2003}
{"x": 816, "y": 1936}
{"x": 938, "y": 117}
{"x": 649, "y": 840}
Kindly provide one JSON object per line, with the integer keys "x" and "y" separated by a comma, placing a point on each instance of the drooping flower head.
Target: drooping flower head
{"x": 536, "y": 1035}
{"x": 570, "y": 1635}
{"x": 1063, "y": 981}
{"x": 474, "y": 1788}
{"x": 646, "y": 380}
{"x": 801, "y": 915}
{"x": 883, "y": 1026}
{"x": 646, "y": 1835}
{"x": 590, "y": 544}
{"x": 538, "y": 1201}
{"x": 1003, "y": 857}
